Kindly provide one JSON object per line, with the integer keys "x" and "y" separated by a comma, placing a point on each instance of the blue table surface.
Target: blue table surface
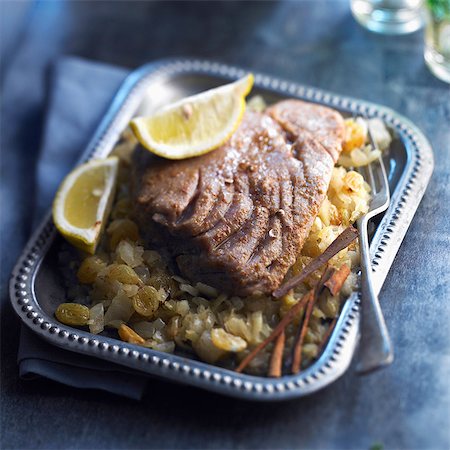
{"x": 312, "y": 42}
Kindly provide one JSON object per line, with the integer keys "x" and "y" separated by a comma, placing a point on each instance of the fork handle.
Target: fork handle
{"x": 375, "y": 348}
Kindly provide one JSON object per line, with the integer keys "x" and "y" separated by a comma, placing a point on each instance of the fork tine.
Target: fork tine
{"x": 384, "y": 183}
{"x": 373, "y": 186}
{"x": 369, "y": 133}
{"x": 374, "y": 175}
{"x": 368, "y": 168}
{"x": 372, "y": 142}
{"x": 383, "y": 174}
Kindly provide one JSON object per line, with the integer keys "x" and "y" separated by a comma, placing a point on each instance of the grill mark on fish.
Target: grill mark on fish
{"x": 242, "y": 201}
{"x": 242, "y": 243}
{"x": 190, "y": 208}
{"x": 269, "y": 246}
{"x": 202, "y": 207}
{"x": 218, "y": 212}
{"x": 270, "y": 243}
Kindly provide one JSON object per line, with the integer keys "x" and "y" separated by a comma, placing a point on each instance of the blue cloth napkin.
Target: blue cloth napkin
{"x": 80, "y": 93}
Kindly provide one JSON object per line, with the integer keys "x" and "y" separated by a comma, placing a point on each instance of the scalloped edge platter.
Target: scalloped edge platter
{"x": 385, "y": 243}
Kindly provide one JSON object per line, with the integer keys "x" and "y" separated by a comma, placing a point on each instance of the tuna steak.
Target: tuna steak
{"x": 237, "y": 218}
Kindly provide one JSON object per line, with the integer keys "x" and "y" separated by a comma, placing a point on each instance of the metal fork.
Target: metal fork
{"x": 375, "y": 349}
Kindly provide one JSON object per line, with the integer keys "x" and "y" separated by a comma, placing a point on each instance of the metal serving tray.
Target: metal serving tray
{"x": 36, "y": 288}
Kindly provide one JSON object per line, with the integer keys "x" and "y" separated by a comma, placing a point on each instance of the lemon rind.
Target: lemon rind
{"x": 86, "y": 239}
{"x": 167, "y": 151}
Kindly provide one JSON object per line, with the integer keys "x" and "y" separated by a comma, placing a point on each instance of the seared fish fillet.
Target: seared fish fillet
{"x": 236, "y": 218}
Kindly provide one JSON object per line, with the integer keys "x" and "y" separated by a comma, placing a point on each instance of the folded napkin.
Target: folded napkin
{"x": 80, "y": 93}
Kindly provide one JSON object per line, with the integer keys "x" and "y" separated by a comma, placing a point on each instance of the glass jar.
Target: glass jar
{"x": 437, "y": 38}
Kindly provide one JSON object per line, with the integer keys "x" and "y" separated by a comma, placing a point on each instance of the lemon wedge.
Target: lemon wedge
{"x": 194, "y": 125}
{"x": 83, "y": 202}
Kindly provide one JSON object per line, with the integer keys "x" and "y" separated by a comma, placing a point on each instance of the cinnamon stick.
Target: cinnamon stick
{"x": 334, "y": 285}
{"x": 286, "y": 320}
{"x": 326, "y": 275}
{"x": 335, "y": 282}
{"x": 276, "y": 360}
{"x": 298, "y": 345}
{"x": 308, "y": 299}
{"x": 297, "y": 354}
{"x": 326, "y": 336}
{"x": 341, "y": 242}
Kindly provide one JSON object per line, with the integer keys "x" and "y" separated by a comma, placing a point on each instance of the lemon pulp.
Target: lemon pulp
{"x": 194, "y": 125}
{"x": 86, "y": 191}
{"x": 83, "y": 202}
{"x": 178, "y": 127}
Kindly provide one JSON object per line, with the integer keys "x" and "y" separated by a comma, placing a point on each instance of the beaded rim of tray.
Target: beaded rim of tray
{"x": 341, "y": 346}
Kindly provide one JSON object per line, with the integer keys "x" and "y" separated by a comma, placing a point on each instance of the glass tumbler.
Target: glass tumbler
{"x": 437, "y": 38}
{"x": 389, "y": 16}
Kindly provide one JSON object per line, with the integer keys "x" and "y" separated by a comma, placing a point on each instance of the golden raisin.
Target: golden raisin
{"x": 128, "y": 335}
{"x": 146, "y": 301}
{"x": 89, "y": 268}
{"x": 226, "y": 341}
{"x": 120, "y": 229}
{"x": 205, "y": 348}
{"x": 72, "y": 314}
{"x": 122, "y": 273}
